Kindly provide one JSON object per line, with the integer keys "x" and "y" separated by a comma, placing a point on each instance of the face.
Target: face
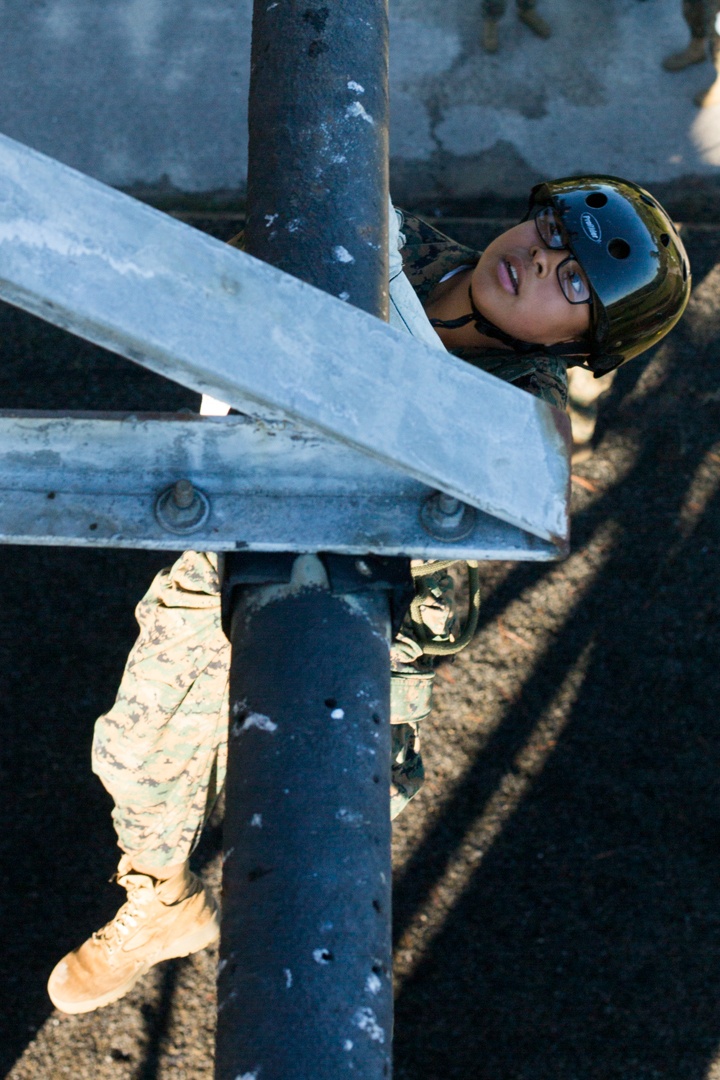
{"x": 516, "y": 286}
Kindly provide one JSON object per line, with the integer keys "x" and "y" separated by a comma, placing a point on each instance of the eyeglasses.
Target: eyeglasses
{"x": 571, "y": 276}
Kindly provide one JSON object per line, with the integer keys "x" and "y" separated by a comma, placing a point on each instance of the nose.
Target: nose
{"x": 546, "y": 260}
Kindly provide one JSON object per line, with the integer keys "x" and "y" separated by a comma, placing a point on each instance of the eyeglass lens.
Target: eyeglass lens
{"x": 550, "y": 228}
{"x": 570, "y": 275}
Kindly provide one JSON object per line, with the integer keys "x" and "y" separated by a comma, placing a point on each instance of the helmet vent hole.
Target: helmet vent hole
{"x": 619, "y": 249}
{"x": 685, "y": 271}
{"x": 648, "y": 201}
{"x": 664, "y": 239}
{"x": 596, "y": 199}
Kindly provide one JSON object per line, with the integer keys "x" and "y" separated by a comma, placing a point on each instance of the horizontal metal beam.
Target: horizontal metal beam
{"x": 96, "y": 480}
{"x": 129, "y": 278}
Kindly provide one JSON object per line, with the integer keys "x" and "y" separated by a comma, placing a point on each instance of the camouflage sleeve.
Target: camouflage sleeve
{"x": 548, "y": 380}
{"x": 411, "y": 682}
{"x": 435, "y": 619}
{"x": 428, "y": 254}
{"x": 539, "y": 373}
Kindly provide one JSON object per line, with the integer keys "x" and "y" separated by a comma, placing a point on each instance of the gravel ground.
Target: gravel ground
{"x": 557, "y": 910}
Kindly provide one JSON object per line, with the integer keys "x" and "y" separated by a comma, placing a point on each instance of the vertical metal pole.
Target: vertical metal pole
{"x": 304, "y": 986}
{"x": 318, "y": 150}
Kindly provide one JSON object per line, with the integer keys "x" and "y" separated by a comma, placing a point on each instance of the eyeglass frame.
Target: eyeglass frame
{"x": 564, "y": 245}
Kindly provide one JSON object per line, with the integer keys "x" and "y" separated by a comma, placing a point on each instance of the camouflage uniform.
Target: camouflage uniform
{"x": 161, "y": 749}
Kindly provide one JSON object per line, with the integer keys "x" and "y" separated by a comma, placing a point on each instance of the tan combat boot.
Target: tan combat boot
{"x": 161, "y": 919}
{"x": 694, "y": 53}
{"x": 536, "y": 24}
{"x": 490, "y": 39}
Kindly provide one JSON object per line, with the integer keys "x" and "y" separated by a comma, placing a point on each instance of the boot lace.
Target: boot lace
{"x": 140, "y": 894}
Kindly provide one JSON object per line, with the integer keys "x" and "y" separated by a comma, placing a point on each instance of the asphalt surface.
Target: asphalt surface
{"x": 557, "y": 900}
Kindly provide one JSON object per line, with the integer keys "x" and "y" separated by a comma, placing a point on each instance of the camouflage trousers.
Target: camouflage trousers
{"x": 161, "y": 750}
{"x": 495, "y": 9}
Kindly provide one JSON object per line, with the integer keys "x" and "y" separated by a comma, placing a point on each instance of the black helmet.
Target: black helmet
{"x": 633, "y": 257}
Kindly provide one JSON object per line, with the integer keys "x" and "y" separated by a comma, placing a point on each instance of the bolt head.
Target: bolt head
{"x": 446, "y": 518}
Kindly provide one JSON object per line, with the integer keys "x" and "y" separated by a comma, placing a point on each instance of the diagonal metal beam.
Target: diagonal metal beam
{"x": 125, "y": 276}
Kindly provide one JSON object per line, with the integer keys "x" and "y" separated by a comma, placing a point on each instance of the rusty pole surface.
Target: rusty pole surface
{"x": 304, "y": 984}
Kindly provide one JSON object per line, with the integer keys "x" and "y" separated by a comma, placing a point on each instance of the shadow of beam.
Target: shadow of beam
{"x": 586, "y": 943}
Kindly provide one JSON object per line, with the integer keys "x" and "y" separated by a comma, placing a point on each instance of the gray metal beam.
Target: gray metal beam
{"x": 95, "y": 479}
{"x": 117, "y": 272}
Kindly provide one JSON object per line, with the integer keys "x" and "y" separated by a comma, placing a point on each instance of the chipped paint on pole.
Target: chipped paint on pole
{"x": 305, "y": 989}
{"x": 319, "y": 117}
{"x": 305, "y": 986}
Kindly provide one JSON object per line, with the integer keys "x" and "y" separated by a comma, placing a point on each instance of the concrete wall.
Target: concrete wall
{"x": 152, "y": 94}
{"x": 130, "y": 91}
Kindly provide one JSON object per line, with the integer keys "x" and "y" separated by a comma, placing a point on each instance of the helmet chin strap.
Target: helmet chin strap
{"x": 489, "y": 329}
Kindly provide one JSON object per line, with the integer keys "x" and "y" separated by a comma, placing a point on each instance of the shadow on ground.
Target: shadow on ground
{"x": 587, "y": 942}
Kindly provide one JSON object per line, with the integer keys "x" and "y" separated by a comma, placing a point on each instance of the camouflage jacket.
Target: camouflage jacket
{"x": 427, "y": 256}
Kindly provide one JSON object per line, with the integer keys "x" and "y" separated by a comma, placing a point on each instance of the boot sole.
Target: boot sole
{"x": 194, "y": 942}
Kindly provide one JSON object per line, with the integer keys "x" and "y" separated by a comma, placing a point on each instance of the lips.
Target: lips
{"x": 509, "y": 276}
